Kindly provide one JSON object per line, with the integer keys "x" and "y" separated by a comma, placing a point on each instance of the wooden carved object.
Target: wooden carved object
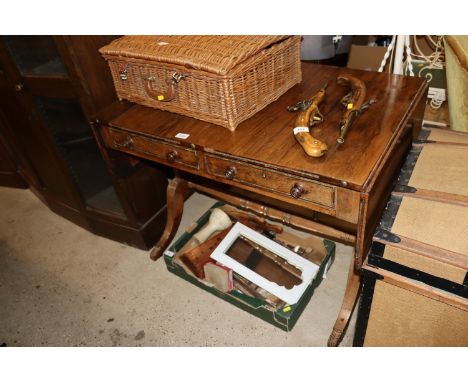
{"x": 353, "y": 102}
{"x": 308, "y": 117}
{"x": 254, "y": 222}
{"x": 218, "y": 221}
{"x": 177, "y": 190}
{"x": 353, "y": 286}
{"x": 200, "y": 247}
{"x": 264, "y": 263}
{"x": 198, "y": 256}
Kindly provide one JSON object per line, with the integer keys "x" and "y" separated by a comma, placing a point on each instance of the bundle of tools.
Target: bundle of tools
{"x": 310, "y": 115}
{"x": 195, "y": 255}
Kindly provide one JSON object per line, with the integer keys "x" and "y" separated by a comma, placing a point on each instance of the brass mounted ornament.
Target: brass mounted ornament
{"x": 309, "y": 116}
{"x": 353, "y": 102}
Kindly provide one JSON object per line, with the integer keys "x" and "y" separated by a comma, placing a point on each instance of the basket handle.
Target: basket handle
{"x": 169, "y": 94}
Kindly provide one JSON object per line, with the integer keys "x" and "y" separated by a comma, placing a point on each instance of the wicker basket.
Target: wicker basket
{"x": 218, "y": 79}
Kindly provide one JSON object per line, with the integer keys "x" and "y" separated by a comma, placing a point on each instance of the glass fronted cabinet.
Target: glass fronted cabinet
{"x": 78, "y": 149}
{"x": 60, "y": 82}
{"x": 35, "y": 55}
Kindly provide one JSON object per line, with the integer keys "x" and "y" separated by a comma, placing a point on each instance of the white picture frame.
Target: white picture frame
{"x": 290, "y": 296}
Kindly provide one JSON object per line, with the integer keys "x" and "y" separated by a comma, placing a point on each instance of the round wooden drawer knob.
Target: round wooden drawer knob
{"x": 172, "y": 156}
{"x": 297, "y": 191}
{"x": 127, "y": 143}
{"x": 230, "y": 172}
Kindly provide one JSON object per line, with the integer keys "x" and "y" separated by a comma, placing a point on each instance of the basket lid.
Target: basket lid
{"x": 215, "y": 54}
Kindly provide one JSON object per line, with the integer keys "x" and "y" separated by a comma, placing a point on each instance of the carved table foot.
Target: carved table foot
{"x": 176, "y": 192}
{"x": 349, "y": 301}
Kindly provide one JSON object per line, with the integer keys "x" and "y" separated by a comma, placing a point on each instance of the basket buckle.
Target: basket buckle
{"x": 123, "y": 73}
{"x": 177, "y": 77}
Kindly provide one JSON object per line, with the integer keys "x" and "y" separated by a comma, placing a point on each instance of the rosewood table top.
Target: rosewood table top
{"x": 267, "y": 137}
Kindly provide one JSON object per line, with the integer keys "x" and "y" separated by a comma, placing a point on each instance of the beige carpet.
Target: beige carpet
{"x": 63, "y": 286}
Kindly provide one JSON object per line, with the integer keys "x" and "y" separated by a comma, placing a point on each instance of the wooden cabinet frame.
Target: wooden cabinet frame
{"x": 85, "y": 81}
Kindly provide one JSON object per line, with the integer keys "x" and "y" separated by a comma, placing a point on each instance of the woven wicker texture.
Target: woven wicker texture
{"x": 214, "y": 54}
{"x": 262, "y": 68}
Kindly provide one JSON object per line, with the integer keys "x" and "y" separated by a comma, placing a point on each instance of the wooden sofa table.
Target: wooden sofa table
{"x": 260, "y": 167}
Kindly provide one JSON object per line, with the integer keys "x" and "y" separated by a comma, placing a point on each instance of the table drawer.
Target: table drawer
{"x": 158, "y": 150}
{"x": 271, "y": 180}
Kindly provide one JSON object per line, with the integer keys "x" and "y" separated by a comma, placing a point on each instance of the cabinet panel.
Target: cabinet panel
{"x": 9, "y": 175}
{"x": 37, "y": 159}
{"x": 76, "y": 145}
{"x": 50, "y": 89}
{"x": 35, "y": 55}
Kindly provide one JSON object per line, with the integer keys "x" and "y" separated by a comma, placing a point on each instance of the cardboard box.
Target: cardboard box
{"x": 284, "y": 318}
{"x": 366, "y": 57}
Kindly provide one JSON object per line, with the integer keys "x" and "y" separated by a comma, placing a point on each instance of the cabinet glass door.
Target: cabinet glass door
{"x": 35, "y": 55}
{"x": 76, "y": 144}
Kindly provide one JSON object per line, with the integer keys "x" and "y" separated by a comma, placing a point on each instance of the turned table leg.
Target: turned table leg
{"x": 176, "y": 192}
{"x": 349, "y": 301}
